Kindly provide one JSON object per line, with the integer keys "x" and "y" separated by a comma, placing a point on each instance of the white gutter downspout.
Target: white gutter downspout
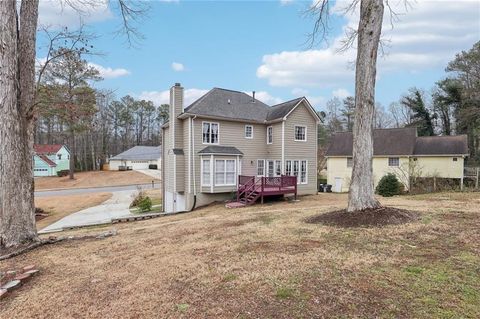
{"x": 193, "y": 155}
{"x": 282, "y": 166}
{"x": 189, "y": 154}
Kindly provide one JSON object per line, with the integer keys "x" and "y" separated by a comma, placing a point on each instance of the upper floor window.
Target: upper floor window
{"x": 454, "y": 159}
{"x": 248, "y": 131}
{"x": 393, "y": 161}
{"x": 59, "y": 156}
{"x": 300, "y": 133}
{"x": 269, "y": 135}
{"x": 210, "y": 133}
{"x": 349, "y": 161}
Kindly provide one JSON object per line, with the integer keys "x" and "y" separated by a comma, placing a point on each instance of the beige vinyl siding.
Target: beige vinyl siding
{"x": 180, "y": 170}
{"x": 296, "y": 150}
{"x": 274, "y": 150}
{"x": 168, "y": 158}
{"x": 232, "y": 134}
{"x": 185, "y": 125}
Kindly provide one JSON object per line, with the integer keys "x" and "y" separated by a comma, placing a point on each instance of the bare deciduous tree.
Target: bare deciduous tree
{"x": 18, "y": 31}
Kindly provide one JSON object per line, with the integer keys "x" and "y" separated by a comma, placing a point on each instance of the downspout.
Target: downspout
{"x": 193, "y": 162}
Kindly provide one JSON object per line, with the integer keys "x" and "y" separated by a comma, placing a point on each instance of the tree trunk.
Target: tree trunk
{"x": 17, "y": 78}
{"x": 362, "y": 195}
{"x": 71, "y": 172}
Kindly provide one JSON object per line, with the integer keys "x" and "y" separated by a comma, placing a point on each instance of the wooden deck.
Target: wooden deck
{"x": 251, "y": 188}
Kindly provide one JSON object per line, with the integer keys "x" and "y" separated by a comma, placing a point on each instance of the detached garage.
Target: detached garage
{"x": 137, "y": 158}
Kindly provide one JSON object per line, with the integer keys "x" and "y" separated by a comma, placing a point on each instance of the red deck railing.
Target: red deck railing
{"x": 266, "y": 186}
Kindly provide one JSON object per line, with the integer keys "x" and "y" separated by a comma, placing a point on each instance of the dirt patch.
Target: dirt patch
{"x": 377, "y": 217}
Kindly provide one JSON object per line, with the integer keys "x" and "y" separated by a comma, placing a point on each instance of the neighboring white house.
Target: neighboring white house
{"x": 136, "y": 158}
{"x": 49, "y": 159}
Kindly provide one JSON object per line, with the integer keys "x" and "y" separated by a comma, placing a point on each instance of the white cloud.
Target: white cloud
{"x": 427, "y": 35}
{"x": 163, "y": 97}
{"x": 58, "y": 13}
{"x": 341, "y": 93}
{"x": 266, "y": 98}
{"x": 109, "y": 73}
{"x": 299, "y": 92}
{"x": 178, "y": 67}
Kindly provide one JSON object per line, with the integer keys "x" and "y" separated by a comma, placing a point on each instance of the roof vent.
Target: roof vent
{"x": 253, "y": 95}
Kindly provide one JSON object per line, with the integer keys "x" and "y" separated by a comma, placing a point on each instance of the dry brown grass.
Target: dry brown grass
{"x": 263, "y": 262}
{"x": 93, "y": 179}
{"x": 60, "y": 206}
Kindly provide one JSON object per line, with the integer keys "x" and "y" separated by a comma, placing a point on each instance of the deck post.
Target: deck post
{"x": 238, "y": 188}
{"x": 296, "y": 188}
{"x": 263, "y": 182}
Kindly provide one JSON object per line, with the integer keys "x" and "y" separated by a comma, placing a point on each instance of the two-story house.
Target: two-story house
{"x": 225, "y": 134}
{"x": 48, "y": 159}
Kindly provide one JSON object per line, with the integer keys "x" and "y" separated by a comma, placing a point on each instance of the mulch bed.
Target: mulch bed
{"x": 376, "y": 217}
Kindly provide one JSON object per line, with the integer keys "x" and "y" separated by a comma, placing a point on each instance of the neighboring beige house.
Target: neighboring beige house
{"x": 399, "y": 151}
{"x": 225, "y": 134}
{"x": 137, "y": 158}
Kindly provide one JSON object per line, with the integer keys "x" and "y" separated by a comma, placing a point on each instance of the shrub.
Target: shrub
{"x": 137, "y": 198}
{"x": 145, "y": 204}
{"x": 388, "y": 186}
{"x": 63, "y": 172}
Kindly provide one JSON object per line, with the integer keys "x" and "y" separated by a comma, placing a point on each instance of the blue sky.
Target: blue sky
{"x": 252, "y": 45}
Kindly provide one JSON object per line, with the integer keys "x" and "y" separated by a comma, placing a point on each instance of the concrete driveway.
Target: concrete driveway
{"x": 106, "y": 189}
{"x": 115, "y": 207}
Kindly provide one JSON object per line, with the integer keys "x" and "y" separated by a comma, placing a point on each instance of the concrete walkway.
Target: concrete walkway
{"x": 115, "y": 207}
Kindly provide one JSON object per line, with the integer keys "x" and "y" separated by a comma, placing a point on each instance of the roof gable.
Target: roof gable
{"x": 44, "y": 158}
{"x": 47, "y": 148}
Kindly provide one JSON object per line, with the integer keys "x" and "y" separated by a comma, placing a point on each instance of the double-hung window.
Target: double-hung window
{"x": 300, "y": 133}
{"x": 303, "y": 172}
{"x": 210, "y": 133}
{"x": 295, "y": 168}
{"x": 248, "y": 131}
{"x": 269, "y": 135}
{"x": 206, "y": 174}
{"x": 393, "y": 161}
{"x": 224, "y": 172}
{"x": 288, "y": 168}
{"x": 260, "y": 168}
{"x": 278, "y": 168}
{"x": 270, "y": 168}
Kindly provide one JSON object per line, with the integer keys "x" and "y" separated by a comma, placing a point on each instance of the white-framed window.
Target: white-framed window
{"x": 278, "y": 168}
{"x": 270, "y": 168}
{"x": 270, "y": 135}
{"x": 248, "y": 131}
{"x": 295, "y": 168}
{"x": 349, "y": 161}
{"x": 206, "y": 174}
{"x": 288, "y": 168}
{"x": 224, "y": 172}
{"x": 261, "y": 167}
{"x": 300, "y": 133}
{"x": 303, "y": 172}
{"x": 454, "y": 159}
{"x": 210, "y": 132}
{"x": 393, "y": 161}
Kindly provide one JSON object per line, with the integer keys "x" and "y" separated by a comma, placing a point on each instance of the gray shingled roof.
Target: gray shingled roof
{"x": 238, "y": 105}
{"x": 400, "y": 141}
{"x": 145, "y": 153}
{"x": 241, "y": 106}
{"x": 441, "y": 145}
{"x": 282, "y": 109}
{"x": 217, "y": 149}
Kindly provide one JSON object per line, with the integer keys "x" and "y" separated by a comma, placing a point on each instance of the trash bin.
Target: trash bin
{"x": 321, "y": 188}
{"x": 328, "y": 188}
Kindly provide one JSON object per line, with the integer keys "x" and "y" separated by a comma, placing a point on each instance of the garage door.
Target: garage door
{"x": 139, "y": 165}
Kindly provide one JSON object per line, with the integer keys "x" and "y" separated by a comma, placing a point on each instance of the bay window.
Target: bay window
{"x": 206, "y": 174}
{"x": 224, "y": 172}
